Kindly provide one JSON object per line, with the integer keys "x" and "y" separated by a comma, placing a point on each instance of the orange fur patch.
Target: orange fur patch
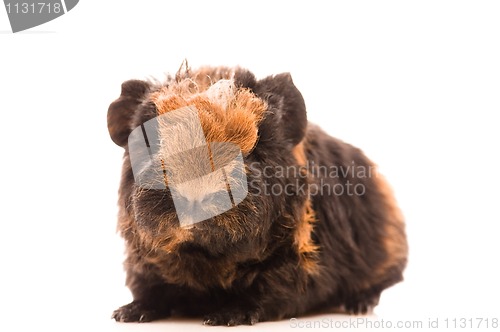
{"x": 395, "y": 237}
{"x": 299, "y": 154}
{"x": 305, "y": 246}
{"x": 226, "y": 115}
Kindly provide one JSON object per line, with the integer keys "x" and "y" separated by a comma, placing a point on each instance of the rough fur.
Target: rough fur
{"x": 272, "y": 256}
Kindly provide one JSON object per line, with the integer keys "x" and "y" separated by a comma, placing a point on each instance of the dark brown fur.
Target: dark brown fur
{"x": 272, "y": 256}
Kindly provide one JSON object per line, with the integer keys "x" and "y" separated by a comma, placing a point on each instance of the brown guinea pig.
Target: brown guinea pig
{"x": 308, "y": 226}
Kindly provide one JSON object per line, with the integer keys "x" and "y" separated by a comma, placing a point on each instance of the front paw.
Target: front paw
{"x": 362, "y": 304}
{"x": 137, "y": 311}
{"x": 232, "y": 317}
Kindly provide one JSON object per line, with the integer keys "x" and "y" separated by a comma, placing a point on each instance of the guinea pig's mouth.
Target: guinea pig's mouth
{"x": 205, "y": 229}
{"x": 200, "y": 239}
{"x": 216, "y": 234}
{"x": 210, "y": 243}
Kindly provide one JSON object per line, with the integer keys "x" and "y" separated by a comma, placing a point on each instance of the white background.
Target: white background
{"x": 414, "y": 84}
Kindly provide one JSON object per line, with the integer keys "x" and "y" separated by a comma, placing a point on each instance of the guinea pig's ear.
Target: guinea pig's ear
{"x": 286, "y": 105}
{"x": 122, "y": 110}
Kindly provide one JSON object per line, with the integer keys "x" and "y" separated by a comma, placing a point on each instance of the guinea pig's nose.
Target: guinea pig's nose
{"x": 188, "y": 204}
{"x": 195, "y": 205}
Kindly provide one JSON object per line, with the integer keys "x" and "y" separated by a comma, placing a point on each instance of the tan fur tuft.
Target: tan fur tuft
{"x": 394, "y": 238}
{"x": 226, "y": 115}
{"x": 303, "y": 241}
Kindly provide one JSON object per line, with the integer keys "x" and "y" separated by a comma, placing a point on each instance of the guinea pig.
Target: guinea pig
{"x": 316, "y": 229}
